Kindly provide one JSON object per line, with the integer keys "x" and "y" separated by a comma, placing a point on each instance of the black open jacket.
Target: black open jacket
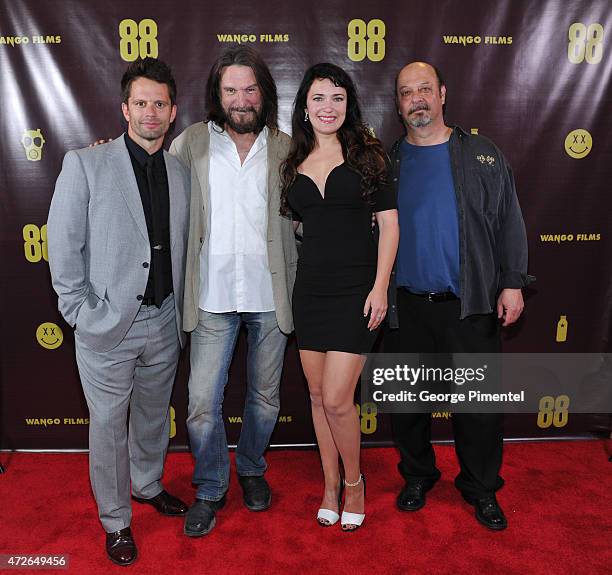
{"x": 492, "y": 237}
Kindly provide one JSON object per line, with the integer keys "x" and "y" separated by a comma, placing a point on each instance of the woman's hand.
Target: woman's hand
{"x": 376, "y": 302}
{"x": 376, "y": 306}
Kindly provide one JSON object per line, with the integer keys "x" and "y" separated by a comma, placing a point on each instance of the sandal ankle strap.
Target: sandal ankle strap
{"x": 353, "y": 484}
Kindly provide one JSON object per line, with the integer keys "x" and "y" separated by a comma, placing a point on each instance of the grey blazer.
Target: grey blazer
{"x": 98, "y": 243}
{"x": 192, "y": 148}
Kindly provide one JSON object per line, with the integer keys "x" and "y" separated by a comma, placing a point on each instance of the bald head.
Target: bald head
{"x": 420, "y": 95}
{"x": 422, "y": 67}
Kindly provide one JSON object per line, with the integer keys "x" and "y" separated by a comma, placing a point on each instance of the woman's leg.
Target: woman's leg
{"x": 313, "y": 364}
{"x": 340, "y": 375}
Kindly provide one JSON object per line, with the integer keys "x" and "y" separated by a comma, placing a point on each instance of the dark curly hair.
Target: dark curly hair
{"x": 362, "y": 151}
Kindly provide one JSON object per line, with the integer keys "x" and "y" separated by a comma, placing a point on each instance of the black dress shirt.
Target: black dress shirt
{"x": 154, "y": 194}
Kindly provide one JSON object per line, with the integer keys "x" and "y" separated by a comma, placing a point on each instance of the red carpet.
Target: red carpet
{"x": 557, "y": 499}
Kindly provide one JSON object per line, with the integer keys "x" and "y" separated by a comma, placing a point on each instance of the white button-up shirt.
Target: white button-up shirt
{"x": 234, "y": 271}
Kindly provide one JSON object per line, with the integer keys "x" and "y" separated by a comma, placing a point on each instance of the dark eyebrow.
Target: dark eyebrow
{"x": 255, "y": 85}
{"x": 420, "y": 84}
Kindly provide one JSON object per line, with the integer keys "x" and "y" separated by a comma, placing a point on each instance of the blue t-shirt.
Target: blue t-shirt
{"x": 428, "y": 256}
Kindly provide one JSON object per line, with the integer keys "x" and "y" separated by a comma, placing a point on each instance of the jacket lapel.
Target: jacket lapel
{"x": 124, "y": 180}
{"x": 175, "y": 198}
{"x": 200, "y": 160}
{"x": 273, "y": 181}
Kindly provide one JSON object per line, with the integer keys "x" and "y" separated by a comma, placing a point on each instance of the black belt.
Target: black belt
{"x": 435, "y": 297}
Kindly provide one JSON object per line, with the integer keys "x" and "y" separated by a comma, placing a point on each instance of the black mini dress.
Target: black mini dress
{"x": 337, "y": 263}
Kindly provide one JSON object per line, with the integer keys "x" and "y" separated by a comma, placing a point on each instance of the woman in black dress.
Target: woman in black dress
{"x": 334, "y": 179}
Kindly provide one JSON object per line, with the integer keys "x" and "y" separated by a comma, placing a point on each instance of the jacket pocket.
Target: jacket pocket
{"x": 98, "y": 289}
{"x": 94, "y": 300}
{"x": 485, "y": 193}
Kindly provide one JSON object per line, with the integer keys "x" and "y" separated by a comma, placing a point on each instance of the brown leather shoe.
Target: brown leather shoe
{"x": 120, "y": 547}
{"x": 165, "y": 503}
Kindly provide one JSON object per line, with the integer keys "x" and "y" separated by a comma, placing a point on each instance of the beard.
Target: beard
{"x": 151, "y": 134}
{"x": 246, "y": 124}
{"x": 421, "y": 120}
{"x": 148, "y": 133}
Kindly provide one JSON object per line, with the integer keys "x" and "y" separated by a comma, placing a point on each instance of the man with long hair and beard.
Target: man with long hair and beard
{"x": 240, "y": 270}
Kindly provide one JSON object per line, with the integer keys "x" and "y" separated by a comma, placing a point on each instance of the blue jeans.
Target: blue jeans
{"x": 212, "y": 346}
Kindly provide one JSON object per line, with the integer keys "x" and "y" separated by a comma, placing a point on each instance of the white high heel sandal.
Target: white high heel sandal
{"x": 353, "y": 518}
{"x": 327, "y": 517}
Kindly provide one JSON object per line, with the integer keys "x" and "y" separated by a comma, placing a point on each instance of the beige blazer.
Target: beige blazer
{"x": 192, "y": 148}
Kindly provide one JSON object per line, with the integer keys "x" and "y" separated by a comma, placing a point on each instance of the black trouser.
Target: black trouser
{"x": 435, "y": 327}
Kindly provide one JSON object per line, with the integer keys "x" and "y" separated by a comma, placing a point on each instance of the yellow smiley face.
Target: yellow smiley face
{"x": 578, "y": 144}
{"x": 49, "y": 335}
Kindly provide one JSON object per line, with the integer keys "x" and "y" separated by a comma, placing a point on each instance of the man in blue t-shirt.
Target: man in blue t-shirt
{"x": 461, "y": 264}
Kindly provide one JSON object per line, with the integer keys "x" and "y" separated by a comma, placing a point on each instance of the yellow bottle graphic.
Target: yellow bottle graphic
{"x": 562, "y": 329}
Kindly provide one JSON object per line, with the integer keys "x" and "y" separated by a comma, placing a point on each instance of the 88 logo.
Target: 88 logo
{"x": 35, "y": 243}
{"x": 585, "y": 43}
{"x": 367, "y": 414}
{"x": 366, "y": 39}
{"x": 138, "y": 39}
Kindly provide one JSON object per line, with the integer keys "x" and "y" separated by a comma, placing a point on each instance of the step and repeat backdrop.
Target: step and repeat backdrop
{"x": 532, "y": 76}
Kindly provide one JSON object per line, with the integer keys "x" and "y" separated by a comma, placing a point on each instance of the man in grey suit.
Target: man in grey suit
{"x": 117, "y": 234}
{"x": 241, "y": 263}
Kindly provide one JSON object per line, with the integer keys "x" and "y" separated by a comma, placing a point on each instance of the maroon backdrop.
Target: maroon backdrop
{"x": 532, "y": 76}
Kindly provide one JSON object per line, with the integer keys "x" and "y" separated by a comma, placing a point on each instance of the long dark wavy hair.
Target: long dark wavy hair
{"x": 241, "y": 55}
{"x": 362, "y": 151}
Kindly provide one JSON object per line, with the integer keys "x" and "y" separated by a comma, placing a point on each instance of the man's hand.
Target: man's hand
{"x": 97, "y": 142}
{"x": 510, "y": 305}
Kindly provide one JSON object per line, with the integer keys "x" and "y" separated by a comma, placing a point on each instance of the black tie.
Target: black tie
{"x": 157, "y": 246}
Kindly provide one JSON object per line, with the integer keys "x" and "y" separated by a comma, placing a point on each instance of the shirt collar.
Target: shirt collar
{"x": 217, "y": 131}
{"x": 139, "y": 153}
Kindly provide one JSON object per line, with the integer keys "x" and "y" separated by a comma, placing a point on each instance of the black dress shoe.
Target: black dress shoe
{"x": 255, "y": 492}
{"x": 488, "y": 511}
{"x": 165, "y": 503}
{"x": 200, "y": 518}
{"x": 120, "y": 547}
{"x": 412, "y": 496}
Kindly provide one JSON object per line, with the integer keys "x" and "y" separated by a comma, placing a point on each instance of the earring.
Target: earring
{"x": 305, "y": 115}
